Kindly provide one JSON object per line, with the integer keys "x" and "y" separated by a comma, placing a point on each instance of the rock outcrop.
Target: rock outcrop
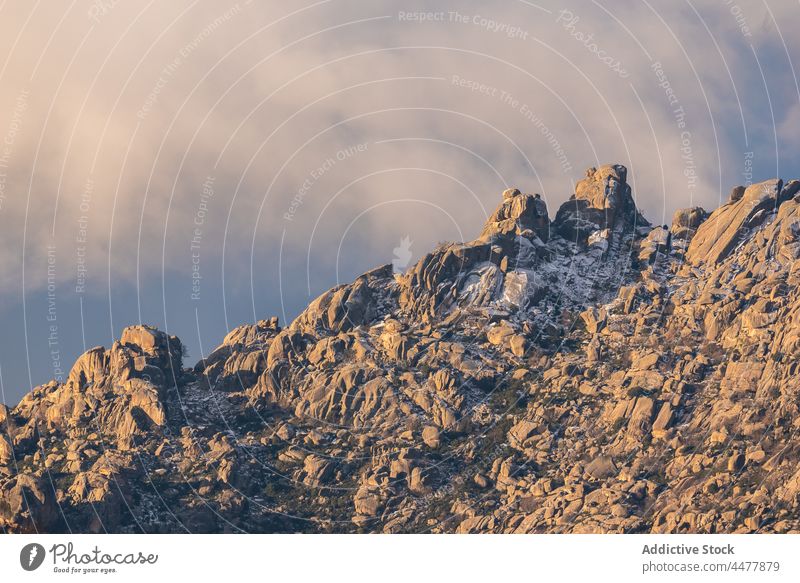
{"x": 520, "y": 215}
{"x": 602, "y": 200}
{"x": 728, "y": 225}
{"x": 589, "y": 374}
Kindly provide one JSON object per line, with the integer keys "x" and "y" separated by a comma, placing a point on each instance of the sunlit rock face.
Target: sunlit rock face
{"x": 587, "y": 374}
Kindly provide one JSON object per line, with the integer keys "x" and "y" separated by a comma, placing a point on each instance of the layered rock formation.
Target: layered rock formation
{"x": 589, "y": 374}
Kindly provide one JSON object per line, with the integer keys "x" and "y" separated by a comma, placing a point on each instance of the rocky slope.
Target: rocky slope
{"x": 586, "y": 374}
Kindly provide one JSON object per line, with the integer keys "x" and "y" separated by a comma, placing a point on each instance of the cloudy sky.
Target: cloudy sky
{"x": 201, "y": 164}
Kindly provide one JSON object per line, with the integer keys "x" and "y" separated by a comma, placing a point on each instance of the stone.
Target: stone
{"x": 521, "y": 432}
{"x": 517, "y": 343}
{"x": 499, "y": 334}
{"x": 417, "y": 481}
{"x": 664, "y": 418}
{"x": 6, "y": 451}
{"x": 641, "y": 416}
{"x": 520, "y": 288}
{"x": 594, "y": 320}
{"x": 367, "y": 503}
{"x": 720, "y": 233}
{"x": 317, "y": 470}
{"x": 581, "y": 389}
{"x": 736, "y": 462}
{"x": 685, "y": 222}
{"x": 27, "y": 505}
{"x": 144, "y": 337}
{"x": 518, "y": 213}
{"x": 601, "y": 468}
{"x": 285, "y": 432}
{"x": 431, "y": 437}
{"x": 657, "y": 244}
{"x": 647, "y": 361}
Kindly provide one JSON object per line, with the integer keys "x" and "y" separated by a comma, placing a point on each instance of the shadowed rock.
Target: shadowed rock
{"x": 602, "y": 200}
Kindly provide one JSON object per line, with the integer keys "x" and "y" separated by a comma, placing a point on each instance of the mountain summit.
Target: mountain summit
{"x": 592, "y": 373}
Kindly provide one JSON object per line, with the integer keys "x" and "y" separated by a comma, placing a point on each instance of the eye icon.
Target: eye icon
{"x": 31, "y": 556}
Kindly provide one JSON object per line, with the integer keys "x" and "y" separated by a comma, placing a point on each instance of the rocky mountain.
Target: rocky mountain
{"x": 586, "y": 374}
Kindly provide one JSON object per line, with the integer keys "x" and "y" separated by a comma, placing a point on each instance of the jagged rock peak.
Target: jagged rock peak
{"x": 602, "y": 200}
{"x": 562, "y": 387}
{"x": 518, "y": 214}
{"x": 605, "y": 187}
{"x": 746, "y": 209}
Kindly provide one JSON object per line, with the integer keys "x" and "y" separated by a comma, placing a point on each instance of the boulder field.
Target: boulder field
{"x": 586, "y": 374}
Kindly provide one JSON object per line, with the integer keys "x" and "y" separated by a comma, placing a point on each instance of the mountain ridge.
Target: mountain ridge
{"x": 590, "y": 373}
